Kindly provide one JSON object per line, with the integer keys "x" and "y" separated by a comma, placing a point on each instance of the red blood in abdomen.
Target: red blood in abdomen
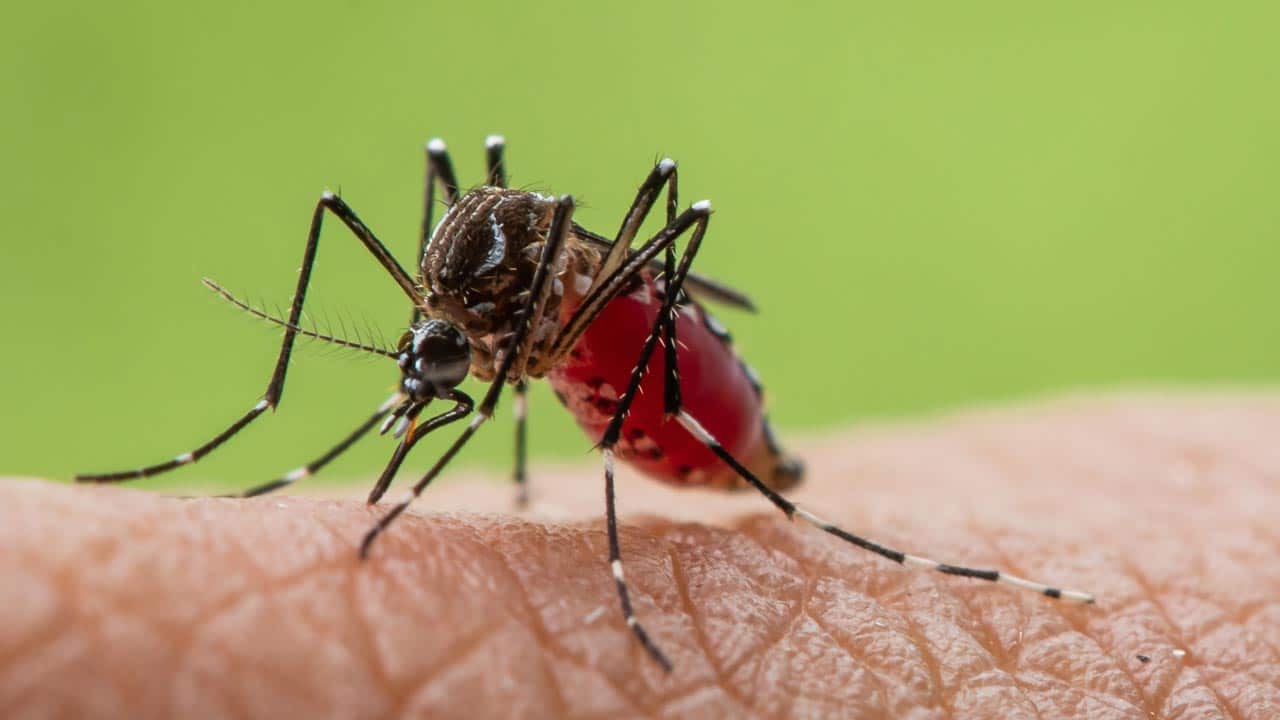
{"x": 715, "y": 389}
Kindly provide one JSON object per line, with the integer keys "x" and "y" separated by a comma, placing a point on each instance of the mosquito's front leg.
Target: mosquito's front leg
{"x": 313, "y": 467}
{"x": 275, "y": 386}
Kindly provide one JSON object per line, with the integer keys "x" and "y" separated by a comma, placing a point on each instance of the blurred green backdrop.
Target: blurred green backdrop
{"x": 935, "y": 204}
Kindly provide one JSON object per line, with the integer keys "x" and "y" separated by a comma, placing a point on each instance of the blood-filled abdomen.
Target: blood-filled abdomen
{"x": 717, "y": 389}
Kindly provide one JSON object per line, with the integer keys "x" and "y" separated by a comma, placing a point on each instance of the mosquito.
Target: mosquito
{"x": 509, "y": 289}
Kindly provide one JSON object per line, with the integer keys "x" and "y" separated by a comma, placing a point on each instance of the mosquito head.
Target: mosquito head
{"x": 434, "y": 357}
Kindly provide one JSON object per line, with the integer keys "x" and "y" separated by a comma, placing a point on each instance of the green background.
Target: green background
{"x": 935, "y": 204}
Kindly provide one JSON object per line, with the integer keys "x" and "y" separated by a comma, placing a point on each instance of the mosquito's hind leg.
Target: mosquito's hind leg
{"x": 275, "y": 386}
{"x": 674, "y": 408}
{"x": 790, "y": 472}
{"x": 911, "y": 561}
{"x": 664, "y": 325}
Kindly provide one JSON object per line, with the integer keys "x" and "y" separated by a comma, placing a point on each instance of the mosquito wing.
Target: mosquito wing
{"x": 700, "y": 286}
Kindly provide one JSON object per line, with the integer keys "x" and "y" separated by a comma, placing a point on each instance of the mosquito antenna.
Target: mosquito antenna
{"x": 324, "y": 337}
{"x": 373, "y": 332}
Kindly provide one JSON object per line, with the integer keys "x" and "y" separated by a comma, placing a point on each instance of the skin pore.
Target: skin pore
{"x": 121, "y": 603}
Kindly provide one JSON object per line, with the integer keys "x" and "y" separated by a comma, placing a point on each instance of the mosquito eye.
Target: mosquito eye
{"x": 447, "y": 373}
{"x": 442, "y": 352}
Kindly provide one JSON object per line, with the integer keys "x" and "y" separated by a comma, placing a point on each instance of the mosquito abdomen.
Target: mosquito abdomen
{"x": 716, "y": 386}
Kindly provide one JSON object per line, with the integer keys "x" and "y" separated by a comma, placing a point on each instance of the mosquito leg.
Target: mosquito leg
{"x": 521, "y": 410}
{"x": 617, "y": 281}
{"x": 615, "y": 564}
{"x": 793, "y": 511}
{"x": 462, "y": 407}
{"x": 497, "y": 177}
{"x": 439, "y": 167}
{"x": 493, "y": 147}
{"x": 671, "y": 384}
{"x": 561, "y": 221}
{"x": 663, "y": 175}
{"x": 275, "y": 387}
{"x": 314, "y": 466}
{"x": 663, "y": 324}
{"x": 674, "y": 409}
{"x": 672, "y": 279}
{"x": 614, "y": 430}
{"x": 671, "y": 372}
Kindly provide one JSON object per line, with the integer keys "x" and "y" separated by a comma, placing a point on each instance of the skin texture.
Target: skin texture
{"x": 120, "y": 603}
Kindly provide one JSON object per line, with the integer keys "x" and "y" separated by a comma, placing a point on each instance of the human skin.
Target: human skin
{"x": 122, "y": 603}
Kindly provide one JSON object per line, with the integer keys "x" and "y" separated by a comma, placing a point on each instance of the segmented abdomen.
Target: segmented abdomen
{"x": 717, "y": 389}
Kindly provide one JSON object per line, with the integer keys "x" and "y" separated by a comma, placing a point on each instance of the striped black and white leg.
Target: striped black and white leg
{"x": 614, "y": 430}
{"x": 673, "y": 408}
{"x": 313, "y": 467}
{"x": 496, "y": 176}
{"x": 493, "y": 149}
{"x": 520, "y": 409}
{"x": 439, "y": 169}
{"x": 663, "y": 175}
{"x": 793, "y": 511}
{"x": 619, "y": 576}
{"x": 413, "y": 432}
{"x": 275, "y": 386}
{"x": 561, "y": 221}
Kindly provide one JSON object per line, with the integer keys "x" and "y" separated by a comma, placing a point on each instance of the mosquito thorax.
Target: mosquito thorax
{"x": 479, "y": 265}
{"x": 484, "y": 250}
{"x": 434, "y": 357}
